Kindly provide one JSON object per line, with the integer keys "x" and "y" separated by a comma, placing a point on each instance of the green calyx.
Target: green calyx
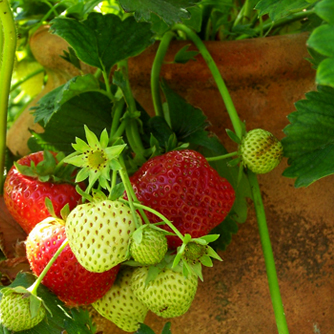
{"x": 50, "y": 169}
{"x": 194, "y": 253}
{"x": 95, "y": 158}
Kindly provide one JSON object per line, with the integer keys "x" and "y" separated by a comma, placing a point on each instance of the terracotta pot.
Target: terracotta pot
{"x": 47, "y": 49}
{"x": 265, "y": 77}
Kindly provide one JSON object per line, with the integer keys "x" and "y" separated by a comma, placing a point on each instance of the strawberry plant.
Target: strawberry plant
{"x": 152, "y": 197}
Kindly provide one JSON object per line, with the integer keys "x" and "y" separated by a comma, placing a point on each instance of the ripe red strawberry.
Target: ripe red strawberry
{"x": 66, "y": 278}
{"x": 185, "y": 189}
{"x": 25, "y": 195}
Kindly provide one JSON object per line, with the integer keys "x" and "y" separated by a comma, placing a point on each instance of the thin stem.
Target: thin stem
{"x": 127, "y": 186}
{"x": 268, "y": 255}
{"x": 221, "y": 157}
{"x": 155, "y": 72}
{"x": 217, "y": 76}
{"x": 162, "y": 217}
{"x": 116, "y": 117}
{"x": 7, "y": 56}
{"x": 34, "y": 287}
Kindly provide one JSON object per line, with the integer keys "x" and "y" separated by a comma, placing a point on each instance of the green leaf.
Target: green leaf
{"x": 171, "y": 11}
{"x": 322, "y": 40}
{"x": 325, "y": 9}
{"x": 52, "y": 102}
{"x": 309, "y": 141}
{"x": 325, "y": 73}
{"x": 88, "y": 38}
{"x": 55, "y": 322}
{"x": 167, "y": 328}
{"x": 72, "y": 58}
{"x": 183, "y": 55}
{"x": 92, "y": 109}
{"x": 277, "y": 9}
{"x": 144, "y": 329}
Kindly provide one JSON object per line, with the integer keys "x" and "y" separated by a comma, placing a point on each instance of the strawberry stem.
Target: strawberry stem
{"x": 33, "y": 288}
{"x": 127, "y": 185}
{"x": 7, "y": 57}
{"x": 162, "y": 217}
{"x": 155, "y": 72}
{"x": 237, "y": 124}
{"x": 268, "y": 255}
{"x": 221, "y": 157}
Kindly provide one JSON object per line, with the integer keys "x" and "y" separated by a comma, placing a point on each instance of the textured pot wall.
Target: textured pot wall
{"x": 234, "y": 298}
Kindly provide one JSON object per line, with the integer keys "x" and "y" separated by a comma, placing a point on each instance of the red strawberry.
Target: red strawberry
{"x": 185, "y": 189}
{"x": 66, "y": 278}
{"x": 25, "y": 195}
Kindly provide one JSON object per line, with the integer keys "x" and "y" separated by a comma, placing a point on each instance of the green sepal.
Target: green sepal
{"x": 65, "y": 211}
{"x": 183, "y": 55}
{"x": 206, "y": 261}
{"x": 212, "y": 253}
{"x": 49, "y": 206}
{"x": 233, "y": 136}
{"x": 234, "y": 162}
{"x": 117, "y": 191}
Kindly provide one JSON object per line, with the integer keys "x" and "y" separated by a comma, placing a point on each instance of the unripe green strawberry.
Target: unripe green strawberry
{"x": 99, "y": 233}
{"x": 120, "y": 306}
{"x": 260, "y": 151}
{"x": 148, "y": 246}
{"x": 15, "y": 312}
{"x": 168, "y": 295}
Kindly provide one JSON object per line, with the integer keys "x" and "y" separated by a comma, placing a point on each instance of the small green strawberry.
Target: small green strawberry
{"x": 168, "y": 295}
{"x": 20, "y": 310}
{"x": 120, "y": 306}
{"x": 99, "y": 234}
{"x": 148, "y": 245}
{"x": 260, "y": 151}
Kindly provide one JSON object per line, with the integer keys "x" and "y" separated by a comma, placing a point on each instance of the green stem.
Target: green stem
{"x": 33, "y": 288}
{"x": 26, "y": 78}
{"x": 162, "y": 217}
{"x": 217, "y": 76}
{"x": 127, "y": 185}
{"x": 221, "y": 157}
{"x": 106, "y": 82}
{"x": 7, "y": 56}
{"x": 116, "y": 117}
{"x": 268, "y": 255}
{"x": 155, "y": 72}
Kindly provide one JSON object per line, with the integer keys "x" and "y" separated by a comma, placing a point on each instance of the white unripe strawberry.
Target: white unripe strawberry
{"x": 15, "y": 312}
{"x": 260, "y": 151}
{"x": 150, "y": 247}
{"x": 99, "y": 233}
{"x": 168, "y": 295}
{"x": 119, "y": 304}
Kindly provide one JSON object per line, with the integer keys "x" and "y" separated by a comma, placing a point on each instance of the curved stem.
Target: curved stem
{"x": 127, "y": 186}
{"x": 33, "y": 288}
{"x": 162, "y": 217}
{"x": 237, "y": 125}
{"x": 268, "y": 255}
{"x": 155, "y": 72}
{"x": 7, "y": 54}
{"x": 221, "y": 157}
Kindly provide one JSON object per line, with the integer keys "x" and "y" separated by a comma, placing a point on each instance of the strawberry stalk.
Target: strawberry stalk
{"x": 258, "y": 204}
{"x": 7, "y": 54}
{"x": 155, "y": 73}
{"x": 33, "y": 288}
